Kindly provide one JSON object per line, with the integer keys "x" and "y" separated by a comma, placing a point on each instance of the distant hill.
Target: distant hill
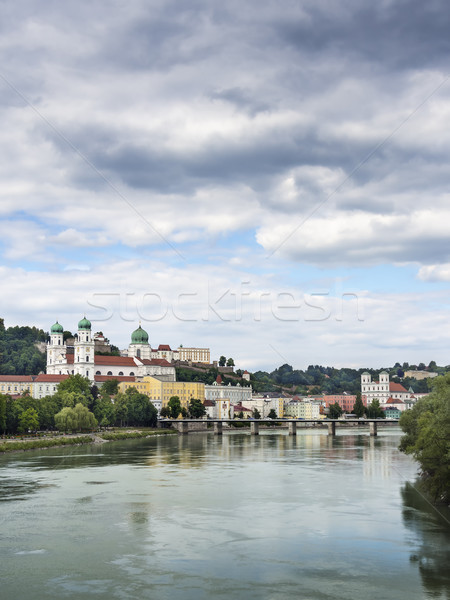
{"x": 18, "y": 352}
{"x": 316, "y": 379}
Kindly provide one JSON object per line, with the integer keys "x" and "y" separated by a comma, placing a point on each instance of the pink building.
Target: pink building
{"x": 345, "y": 401}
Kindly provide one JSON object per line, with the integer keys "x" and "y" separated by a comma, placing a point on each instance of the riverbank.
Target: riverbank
{"x": 32, "y": 443}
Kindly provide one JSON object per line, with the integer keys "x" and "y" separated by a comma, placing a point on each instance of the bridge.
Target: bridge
{"x": 184, "y": 425}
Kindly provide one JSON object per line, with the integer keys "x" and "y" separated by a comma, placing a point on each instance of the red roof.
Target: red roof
{"x": 219, "y": 379}
{"x": 16, "y": 378}
{"x": 396, "y": 387}
{"x": 209, "y": 403}
{"x": 240, "y": 408}
{"x": 122, "y": 361}
{"x": 394, "y": 401}
{"x": 157, "y": 362}
{"x": 164, "y": 347}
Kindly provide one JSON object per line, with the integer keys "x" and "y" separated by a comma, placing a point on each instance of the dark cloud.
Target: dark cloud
{"x": 400, "y": 35}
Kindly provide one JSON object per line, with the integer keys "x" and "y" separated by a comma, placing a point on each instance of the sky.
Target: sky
{"x": 267, "y": 179}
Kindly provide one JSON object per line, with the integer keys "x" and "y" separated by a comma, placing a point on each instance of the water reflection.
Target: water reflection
{"x": 432, "y": 552}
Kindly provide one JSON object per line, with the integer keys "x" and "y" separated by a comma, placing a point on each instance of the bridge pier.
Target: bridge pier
{"x": 183, "y": 428}
{"x": 331, "y": 428}
{"x": 373, "y": 428}
{"x": 254, "y": 428}
{"x": 292, "y": 428}
{"x": 218, "y": 428}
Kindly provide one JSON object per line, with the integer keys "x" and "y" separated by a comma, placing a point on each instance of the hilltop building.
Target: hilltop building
{"x": 80, "y": 358}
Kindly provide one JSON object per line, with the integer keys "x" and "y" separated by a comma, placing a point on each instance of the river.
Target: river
{"x": 238, "y": 516}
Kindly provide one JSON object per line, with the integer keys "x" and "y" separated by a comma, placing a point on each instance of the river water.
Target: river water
{"x": 203, "y": 517}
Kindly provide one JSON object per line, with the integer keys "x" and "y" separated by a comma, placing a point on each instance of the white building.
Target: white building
{"x": 81, "y": 358}
{"x": 236, "y": 394}
{"x": 383, "y": 389}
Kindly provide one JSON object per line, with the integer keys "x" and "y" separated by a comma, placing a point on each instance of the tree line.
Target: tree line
{"x": 77, "y": 406}
{"x": 427, "y": 438}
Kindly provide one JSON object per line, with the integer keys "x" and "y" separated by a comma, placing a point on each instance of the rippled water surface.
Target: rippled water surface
{"x": 198, "y": 516}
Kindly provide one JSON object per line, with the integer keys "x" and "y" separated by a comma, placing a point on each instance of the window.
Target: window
{"x": 132, "y": 374}
{"x": 87, "y": 358}
{"x": 120, "y": 372}
{"x": 109, "y": 373}
{"x": 97, "y": 373}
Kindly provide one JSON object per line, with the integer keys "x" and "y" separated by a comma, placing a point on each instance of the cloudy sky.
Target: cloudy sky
{"x": 268, "y": 179}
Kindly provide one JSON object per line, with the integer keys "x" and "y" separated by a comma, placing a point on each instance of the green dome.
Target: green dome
{"x": 57, "y": 328}
{"x": 84, "y": 324}
{"x": 139, "y": 336}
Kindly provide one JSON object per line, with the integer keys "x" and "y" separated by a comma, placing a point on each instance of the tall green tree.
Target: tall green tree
{"x": 427, "y": 438}
{"x": 358, "y": 408}
{"x": 141, "y": 412}
{"x": 256, "y": 414}
{"x": 174, "y": 405}
{"x": 3, "y": 400}
{"x": 76, "y": 384}
{"x": 334, "y": 411}
{"x": 222, "y": 361}
{"x": 374, "y": 410}
{"x": 28, "y": 421}
{"x": 196, "y": 408}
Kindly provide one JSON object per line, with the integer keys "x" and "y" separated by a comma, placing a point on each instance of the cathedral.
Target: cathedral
{"x": 142, "y": 360}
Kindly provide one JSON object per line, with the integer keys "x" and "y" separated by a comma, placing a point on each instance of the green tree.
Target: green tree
{"x": 374, "y": 410}
{"x": 334, "y": 411}
{"x": 104, "y": 411}
{"x": 358, "y": 408}
{"x": 110, "y": 387}
{"x": 272, "y": 414}
{"x": 120, "y": 409}
{"x": 427, "y": 438}
{"x": 174, "y": 406}
{"x": 65, "y": 420}
{"x": 222, "y": 361}
{"x": 85, "y": 420}
{"x": 78, "y": 418}
{"x": 78, "y": 386}
{"x": 230, "y": 362}
{"x": 141, "y": 412}
{"x": 28, "y": 420}
{"x": 196, "y": 408}
{"x": 165, "y": 412}
{"x": 256, "y": 414}
{"x": 3, "y": 400}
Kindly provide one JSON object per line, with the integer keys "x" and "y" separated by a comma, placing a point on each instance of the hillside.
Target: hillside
{"x": 18, "y": 352}
{"x": 315, "y": 379}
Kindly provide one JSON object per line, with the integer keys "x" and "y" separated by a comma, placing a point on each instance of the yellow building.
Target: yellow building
{"x": 164, "y": 390}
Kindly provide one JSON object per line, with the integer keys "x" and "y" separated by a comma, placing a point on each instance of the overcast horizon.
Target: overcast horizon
{"x": 269, "y": 180}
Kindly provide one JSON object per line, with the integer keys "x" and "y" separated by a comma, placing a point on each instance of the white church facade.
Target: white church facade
{"x": 81, "y": 358}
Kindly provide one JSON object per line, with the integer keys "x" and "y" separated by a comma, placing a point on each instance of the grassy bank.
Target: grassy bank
{"x": 32, "y": 444}
{"x": 47, "y": 443}
{"x": 125, "y": 435}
